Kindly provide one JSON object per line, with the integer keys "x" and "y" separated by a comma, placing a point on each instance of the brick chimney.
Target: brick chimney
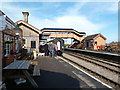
{"x": 25, "y": 14}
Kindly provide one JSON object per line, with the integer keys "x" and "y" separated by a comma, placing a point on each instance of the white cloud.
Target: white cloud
{"x": 74, "y": 10}
{"x": 69, "y": 19}
{"x": 107, "y": 7}
{"x": 113, "y": 7}
{"x": 79, "y": 23}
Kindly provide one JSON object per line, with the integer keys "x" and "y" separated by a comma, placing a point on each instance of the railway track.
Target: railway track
{"x": 106, "y": 65}
{"x": 106, "y": 71}
{"x": 101, "y": 60}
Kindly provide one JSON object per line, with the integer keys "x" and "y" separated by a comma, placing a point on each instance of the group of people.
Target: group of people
{"x": 49, "y": 49}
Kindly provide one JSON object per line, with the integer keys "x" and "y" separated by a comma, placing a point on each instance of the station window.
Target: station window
{"x": 24, "y": 42}
{"x": 7, "y": 45}
{"x": 95, "y": 43}
{"x": 7, "y": 49}
{"x": 33, "y": 44}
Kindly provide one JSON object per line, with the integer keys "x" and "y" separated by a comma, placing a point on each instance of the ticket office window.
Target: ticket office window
{"x": 33, "y": 44}
{"x": 95, "y": 43}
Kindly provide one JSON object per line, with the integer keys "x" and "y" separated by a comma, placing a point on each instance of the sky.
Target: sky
{"x": 88, "y": 17}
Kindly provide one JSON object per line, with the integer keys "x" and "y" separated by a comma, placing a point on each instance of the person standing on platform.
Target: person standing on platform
{"x": 51, "y": 49}
{"x": 55, "y": 49}
{"x": 46, "y": 49}
{"x": 39, "y": 47}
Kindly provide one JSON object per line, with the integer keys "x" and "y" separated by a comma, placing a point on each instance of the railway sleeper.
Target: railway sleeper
{"x": 103, "y": 78}
{"x": 98, "y": 65}
{"x": 97, "y": 60}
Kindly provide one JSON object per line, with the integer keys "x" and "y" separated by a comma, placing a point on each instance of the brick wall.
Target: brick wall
{"x": 100, "y": 41}
{"x": 8, "y": 60}
{"x": 0, "y": 55}
{"x": 0, "y": 47}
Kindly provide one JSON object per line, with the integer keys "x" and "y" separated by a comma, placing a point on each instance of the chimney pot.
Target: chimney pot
{"x": 25, "y": 14}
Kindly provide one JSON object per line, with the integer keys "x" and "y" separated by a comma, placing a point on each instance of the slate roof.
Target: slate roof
{"x": 6, "y": 18}
{"x": 29, "y": 25}
{"x": 90, "y": 37}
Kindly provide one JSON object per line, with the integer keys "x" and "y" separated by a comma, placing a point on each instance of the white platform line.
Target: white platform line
{"x": 85, "y": 72}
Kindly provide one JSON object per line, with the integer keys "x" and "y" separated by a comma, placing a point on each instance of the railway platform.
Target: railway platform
{"x": 56, "y": 73}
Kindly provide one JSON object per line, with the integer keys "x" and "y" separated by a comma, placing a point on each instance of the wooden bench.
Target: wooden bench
{"x": 2, "y": 86}
{"x": 36, "y": 71}
{"x": 18, "y": 56}
{"x": 22, "y": 65}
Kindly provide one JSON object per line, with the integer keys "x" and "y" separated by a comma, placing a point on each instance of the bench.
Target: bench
{"x": 36, "y": 71}
{"x": 22, "y": 65}
{"x": 2, "y": 86}
{"x": 18, "y": 56}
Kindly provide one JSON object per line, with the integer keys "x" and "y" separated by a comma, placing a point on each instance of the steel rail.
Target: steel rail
{"x": 108, "y": 81}
{"x": 90, "y": 61}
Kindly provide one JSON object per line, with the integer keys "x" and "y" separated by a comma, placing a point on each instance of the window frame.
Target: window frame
{"x": 34, "y": 44}
{"x": 7, "y": 46}
{"x": 95, "y": 43}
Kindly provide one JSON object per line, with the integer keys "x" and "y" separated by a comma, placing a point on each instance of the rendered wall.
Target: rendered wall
{"x": 30, "y": 35}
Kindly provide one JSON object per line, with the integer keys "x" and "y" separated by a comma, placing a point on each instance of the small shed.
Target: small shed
{"x": 94, "y": 42}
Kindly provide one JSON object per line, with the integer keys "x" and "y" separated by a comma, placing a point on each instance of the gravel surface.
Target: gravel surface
{"x": 99, "y": 70}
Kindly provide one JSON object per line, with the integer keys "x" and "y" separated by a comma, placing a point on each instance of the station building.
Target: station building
{"x": 10, "y": 39}
{"x": 33, "y": 37}
{"x": 94, "y": 42}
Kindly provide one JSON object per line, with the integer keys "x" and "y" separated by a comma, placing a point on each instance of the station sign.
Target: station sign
{"x": 29, "y": 38}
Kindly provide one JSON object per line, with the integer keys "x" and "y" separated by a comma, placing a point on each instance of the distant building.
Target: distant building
{"x": 31, "y": 35}
{"x": 93, "y": 42}
{"x": 11, "y": 39}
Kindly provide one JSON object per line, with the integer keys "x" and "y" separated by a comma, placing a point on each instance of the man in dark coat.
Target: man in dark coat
{"x": 39, "y": 47}
{"x": 46, "y": 50}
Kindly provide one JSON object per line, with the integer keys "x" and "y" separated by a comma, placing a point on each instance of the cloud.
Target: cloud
{"x": 71, "y": 18}
{"x": 113, "y": 7}
{"x": 107, "y": 7}
{"x": 79, "y": 23}
{"x": 14, "y": 12}
{"x": 74, "y": 10}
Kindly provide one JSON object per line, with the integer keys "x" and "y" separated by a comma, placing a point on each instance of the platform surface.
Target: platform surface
{"x": 56, "y": 73}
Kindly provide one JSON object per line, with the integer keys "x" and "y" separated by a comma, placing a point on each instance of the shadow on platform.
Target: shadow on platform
{"x": 50, "y": 79}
